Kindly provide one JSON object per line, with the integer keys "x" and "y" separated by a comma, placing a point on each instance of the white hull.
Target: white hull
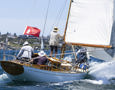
{"x": 37, "y": 75}
{"x": 27, "y": 72}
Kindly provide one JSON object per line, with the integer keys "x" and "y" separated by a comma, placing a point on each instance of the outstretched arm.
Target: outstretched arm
{"x": 20, "y": 53}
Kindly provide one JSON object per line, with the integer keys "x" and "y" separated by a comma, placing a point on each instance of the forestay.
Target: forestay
{"x": 90, "y": 22}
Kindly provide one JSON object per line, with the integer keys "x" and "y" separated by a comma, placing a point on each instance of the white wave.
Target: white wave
{"x": 103, "y": 71}
{"x": 4, "y": 78}
{"x": 99, "y": 82}
{"x": 61, "y": 83}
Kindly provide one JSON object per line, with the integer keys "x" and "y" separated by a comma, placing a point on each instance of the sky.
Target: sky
{"x": 15, "y": 15}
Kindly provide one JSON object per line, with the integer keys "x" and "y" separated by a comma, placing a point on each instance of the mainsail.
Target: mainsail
{"x": 90, "y": 23}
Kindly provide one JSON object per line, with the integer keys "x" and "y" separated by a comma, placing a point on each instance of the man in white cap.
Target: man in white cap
{"x": 26, "y": 51}
{"x": 41, "y": 59}
{"x": 54, "y": 41}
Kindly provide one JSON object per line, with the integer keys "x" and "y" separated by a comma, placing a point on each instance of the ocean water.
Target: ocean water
{"x": 101, "y": 76}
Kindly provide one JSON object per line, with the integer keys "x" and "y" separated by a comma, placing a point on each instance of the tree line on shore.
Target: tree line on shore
{"x": 16, "y": 41}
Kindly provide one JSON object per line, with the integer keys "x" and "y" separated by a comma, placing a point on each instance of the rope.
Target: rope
{"x": 71, "y": 53}
{"x": 63, "y": 53}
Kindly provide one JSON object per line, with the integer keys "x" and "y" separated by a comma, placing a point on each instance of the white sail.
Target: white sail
{"x": 90, "y": 22}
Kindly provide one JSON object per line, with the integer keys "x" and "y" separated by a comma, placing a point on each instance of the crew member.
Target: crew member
{"x": 54, "y": 41}
{"x": 41, "y": 59}
{"x": 26, "y": 51}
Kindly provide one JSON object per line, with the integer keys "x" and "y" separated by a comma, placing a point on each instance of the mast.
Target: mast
{"x": 63, "y": 47}
{"x": 67, "y": 18}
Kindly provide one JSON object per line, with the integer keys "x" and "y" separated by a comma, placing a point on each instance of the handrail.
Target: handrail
{"x": 14, "y": 56}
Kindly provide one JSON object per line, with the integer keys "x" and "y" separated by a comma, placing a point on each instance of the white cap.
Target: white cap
{"x": 25, "y": 43}
{"x": 41, "y": 53}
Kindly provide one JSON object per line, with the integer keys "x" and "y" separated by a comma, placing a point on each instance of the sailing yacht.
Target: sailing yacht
{"x": 89, "y": 23}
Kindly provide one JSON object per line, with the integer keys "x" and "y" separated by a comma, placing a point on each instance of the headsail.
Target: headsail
{"x": 90, "y": 23}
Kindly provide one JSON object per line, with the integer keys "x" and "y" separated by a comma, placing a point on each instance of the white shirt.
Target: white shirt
{"x": 26, "y": 51}
{"x": 54, "y": 39}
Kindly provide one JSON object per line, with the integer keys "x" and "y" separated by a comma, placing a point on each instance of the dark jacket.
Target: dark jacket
{"x": 40, "y": 60}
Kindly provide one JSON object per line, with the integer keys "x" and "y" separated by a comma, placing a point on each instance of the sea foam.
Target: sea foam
{"x": 103, "y": 71}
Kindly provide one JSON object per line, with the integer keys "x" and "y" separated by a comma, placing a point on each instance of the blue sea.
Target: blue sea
{"x": 101, "y": 76}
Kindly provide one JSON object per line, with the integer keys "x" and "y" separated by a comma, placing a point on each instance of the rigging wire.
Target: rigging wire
{"x": 46, "y": 17}
{"x": 42, "y": 44}
{"x": 61, "y": 12}
{"x": 58, "y": 17}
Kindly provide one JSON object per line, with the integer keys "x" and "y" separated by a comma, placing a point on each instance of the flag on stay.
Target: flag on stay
{"x": 32, "y": 31}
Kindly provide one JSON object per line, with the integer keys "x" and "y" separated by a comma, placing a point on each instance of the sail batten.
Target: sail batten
{"x": 90, "y": 23}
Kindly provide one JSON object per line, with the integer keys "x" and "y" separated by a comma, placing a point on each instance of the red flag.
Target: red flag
{"x": 32, "y": 31}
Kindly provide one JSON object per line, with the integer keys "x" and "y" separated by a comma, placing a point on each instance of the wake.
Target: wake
{"x": 4, "y": 78}
{"x": 104, "y": 72}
